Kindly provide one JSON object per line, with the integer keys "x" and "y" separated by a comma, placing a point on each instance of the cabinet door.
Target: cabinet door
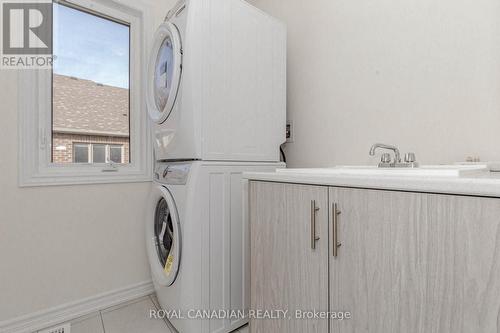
{"x": 412, "y": 262}
{"x": 286, "y": 272}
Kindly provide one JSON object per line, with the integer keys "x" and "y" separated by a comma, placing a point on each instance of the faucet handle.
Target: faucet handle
{"x": 386, "y": 158}
{"x": 410, "y": 158}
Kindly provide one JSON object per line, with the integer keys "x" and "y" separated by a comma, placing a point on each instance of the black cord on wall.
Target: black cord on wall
{"x": 283, "y": 156}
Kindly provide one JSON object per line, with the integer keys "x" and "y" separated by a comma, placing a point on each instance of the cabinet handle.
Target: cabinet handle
{"x": 335, "y": 219}
{"x": 314, "y": 238}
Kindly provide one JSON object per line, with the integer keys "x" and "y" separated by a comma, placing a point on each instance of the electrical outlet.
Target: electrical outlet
{"x": 289, "y": 131}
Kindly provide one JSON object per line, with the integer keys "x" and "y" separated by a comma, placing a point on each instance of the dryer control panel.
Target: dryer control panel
{"x": 172, "y": 173}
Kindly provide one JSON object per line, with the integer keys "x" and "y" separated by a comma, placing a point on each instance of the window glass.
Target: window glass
{"x": 90, "y": 83}
{"x": 99, "y": 153}
{"x": 81, "y": 153}
{"x": 115, "y": 154}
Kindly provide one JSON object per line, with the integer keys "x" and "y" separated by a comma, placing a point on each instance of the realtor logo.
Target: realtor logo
{"x": 26, "y": 34}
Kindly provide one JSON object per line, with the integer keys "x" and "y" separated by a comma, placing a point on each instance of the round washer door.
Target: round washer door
{"x": 164, "y": 72}
{"x": 163, "y": 237}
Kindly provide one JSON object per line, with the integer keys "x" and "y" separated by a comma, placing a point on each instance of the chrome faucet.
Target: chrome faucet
{"x": 397, "y": 155}
{"x": 386, "y": 160}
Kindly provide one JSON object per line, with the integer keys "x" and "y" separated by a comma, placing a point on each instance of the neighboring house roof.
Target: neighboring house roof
{"x": 88, "y": 108}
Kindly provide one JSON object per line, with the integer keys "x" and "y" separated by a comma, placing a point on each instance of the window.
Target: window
{"x": 116, "y": 154}
{"x": 81, "y": 153}
{"x": 97, "y": 153}
{"x": 90, "y": 92}
{"x": 85, "y": 117}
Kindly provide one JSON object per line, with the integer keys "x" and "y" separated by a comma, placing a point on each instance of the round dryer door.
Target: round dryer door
{"x": 164, "y": 72}
{"x": 164, "y": 243}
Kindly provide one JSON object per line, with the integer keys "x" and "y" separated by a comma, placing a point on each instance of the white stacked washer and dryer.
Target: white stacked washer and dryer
{"x": 216, "y": 95}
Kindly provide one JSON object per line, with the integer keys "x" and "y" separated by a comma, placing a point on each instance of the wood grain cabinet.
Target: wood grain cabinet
{"x": 407, "y": 262}
{"x": 289, "y": 254}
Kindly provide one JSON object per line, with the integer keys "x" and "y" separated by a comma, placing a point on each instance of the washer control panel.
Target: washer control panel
{"x": 172, "y": 173}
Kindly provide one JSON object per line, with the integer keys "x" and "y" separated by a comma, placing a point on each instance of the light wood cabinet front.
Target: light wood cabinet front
{"x": 414, "y": 262}
{"x": 407, "y": 262}
{"x": 289, "y": 268}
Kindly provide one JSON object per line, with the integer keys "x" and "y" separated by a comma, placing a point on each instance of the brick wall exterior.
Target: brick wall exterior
{"x": 67, "y": 140}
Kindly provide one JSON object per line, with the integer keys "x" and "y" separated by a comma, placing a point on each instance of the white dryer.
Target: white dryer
{"x": 198, "y": 242}
{"x": 216, "y": 85}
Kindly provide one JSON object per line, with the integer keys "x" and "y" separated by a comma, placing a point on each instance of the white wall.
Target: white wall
{"x": 422, "y": 74}
{"x": 63, "y": 244}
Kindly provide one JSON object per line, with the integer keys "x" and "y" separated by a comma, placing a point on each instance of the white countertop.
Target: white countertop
{"x": 484, "y": 184}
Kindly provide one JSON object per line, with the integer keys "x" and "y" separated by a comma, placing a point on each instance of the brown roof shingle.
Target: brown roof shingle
{"x": 86, "y": 107}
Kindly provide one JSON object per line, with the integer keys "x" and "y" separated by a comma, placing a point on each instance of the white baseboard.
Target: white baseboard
{"x": 35, "y": 321}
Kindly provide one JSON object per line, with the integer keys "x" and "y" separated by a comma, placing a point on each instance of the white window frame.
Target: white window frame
{"x": 35, "y": 123}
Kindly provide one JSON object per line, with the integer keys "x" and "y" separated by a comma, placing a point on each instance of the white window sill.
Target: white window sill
{"x": 71, "y": 177}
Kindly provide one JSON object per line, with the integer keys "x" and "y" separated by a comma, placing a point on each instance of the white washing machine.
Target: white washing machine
{"x": 216, "y": 85}
{"x": 198, "y": 242}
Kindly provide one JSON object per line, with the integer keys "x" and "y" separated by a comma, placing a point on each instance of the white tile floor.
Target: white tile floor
{"x": 132, "y": 317}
